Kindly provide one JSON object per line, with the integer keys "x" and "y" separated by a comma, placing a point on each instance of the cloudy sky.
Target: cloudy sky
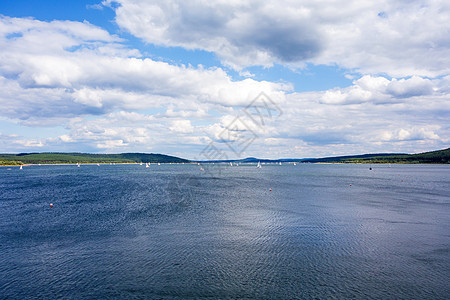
{"x": 180, "y": 77}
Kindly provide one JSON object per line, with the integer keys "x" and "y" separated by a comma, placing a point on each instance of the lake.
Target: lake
{"x": 175, "y": 232}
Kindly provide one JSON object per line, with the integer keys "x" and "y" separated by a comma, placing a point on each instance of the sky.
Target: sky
{"x": 225, "y": 79}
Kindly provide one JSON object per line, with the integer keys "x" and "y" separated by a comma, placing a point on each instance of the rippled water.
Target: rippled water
{"x": 173, "y": 232}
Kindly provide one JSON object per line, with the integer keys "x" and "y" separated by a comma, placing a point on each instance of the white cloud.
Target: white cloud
{"x": 182, "y": 126}
{"x": 84, "y": 70}
{"x": 380, "y": 90}
{"x": 415, "y": 86}
{"x": 397, "y": 38}
{"x": 108, "y": 98}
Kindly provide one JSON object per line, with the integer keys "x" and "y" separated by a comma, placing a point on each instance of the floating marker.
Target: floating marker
{"x": 270, "y": 190}
{"x": 51, "y": 204}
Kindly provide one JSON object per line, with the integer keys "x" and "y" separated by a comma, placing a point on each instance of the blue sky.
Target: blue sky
{"x": 170, "y": 77}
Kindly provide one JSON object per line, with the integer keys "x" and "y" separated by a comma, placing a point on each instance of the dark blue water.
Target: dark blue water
{"x": 173, "y": 232}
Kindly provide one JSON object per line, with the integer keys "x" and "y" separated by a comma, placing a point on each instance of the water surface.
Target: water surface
{"x": 174, "y": 232}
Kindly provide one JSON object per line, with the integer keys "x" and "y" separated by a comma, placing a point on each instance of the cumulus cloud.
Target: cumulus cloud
{"x": 397, "y": 38}
{"x": 108, "y": 97}
{"x": 241, "y": 33}
{"x": 64, "y": 68}
{"x": 414, "y": 86}
{"x": 380, "y": 90}
{"x": 414, "y": 133}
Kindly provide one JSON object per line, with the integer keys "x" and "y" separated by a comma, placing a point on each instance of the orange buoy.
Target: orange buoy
{"x": 270, "y": 190}
{"x": 51, "y": 204}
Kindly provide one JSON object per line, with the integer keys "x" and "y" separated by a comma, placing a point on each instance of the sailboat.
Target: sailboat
{"x": 231, "y": 164}
{"x": 140, "y": 163}
{"x": 259, "y": 165}
{"x": 78, "y": 165}
{"x": 146, "y": 165}
{"x": 98, "y": 165}
{"x": 295, "y": 164}
{"x": 159, "y": 164}
{"x": 280, "y": 163}
{"x": 21, "y": 167}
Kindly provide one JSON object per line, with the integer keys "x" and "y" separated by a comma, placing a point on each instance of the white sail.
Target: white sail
{"x": 259, "y": 165}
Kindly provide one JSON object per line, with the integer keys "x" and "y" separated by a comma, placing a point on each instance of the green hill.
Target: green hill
{"x": 85, "y": 158}
{"x": 350, "y": 158}
{"x": 433, "y": 157}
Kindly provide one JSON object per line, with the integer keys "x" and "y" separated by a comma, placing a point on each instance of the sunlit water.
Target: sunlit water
{"x": 174, "y": 232}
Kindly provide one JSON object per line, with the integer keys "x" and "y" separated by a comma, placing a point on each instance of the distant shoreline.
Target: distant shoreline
{"x": 242, "y": 164}
{"x": 438, "y": 157}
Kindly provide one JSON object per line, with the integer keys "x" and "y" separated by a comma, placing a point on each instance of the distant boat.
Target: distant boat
{"x": 98, "y": 165}
{"x": 231, "y": 164}
{"x": 280, "y": 163}
{"x": 21, "y": 167}
{"x": 146, "y": 165}
{"x": 259, "y": 165}
{"x": 140, "y": 163}
{"x": 78, "y": 165}
{"x": 159, "y": 164}
{"x": 295, "y": 164}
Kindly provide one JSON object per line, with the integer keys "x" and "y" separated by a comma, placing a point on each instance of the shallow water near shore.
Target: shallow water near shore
{"x": 174, "y": 232}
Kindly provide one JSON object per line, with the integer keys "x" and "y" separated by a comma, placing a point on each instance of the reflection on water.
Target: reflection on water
{"x": 171, "y": 232}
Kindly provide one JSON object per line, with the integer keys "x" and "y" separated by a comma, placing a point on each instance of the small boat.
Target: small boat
{"x": 98, "y": 165}
{"x": 280, "y": 163}
{"x": 259, "y": 165}
{"x": 140, "y": 163}
{"x": 295, "y": 164}
{"x": 78, "y": 165}
{"x": 146, "y": 165}
{"x": 231, "y": 164}
{"x": 159, "y": 164}
{"x": 21, "y": 167}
